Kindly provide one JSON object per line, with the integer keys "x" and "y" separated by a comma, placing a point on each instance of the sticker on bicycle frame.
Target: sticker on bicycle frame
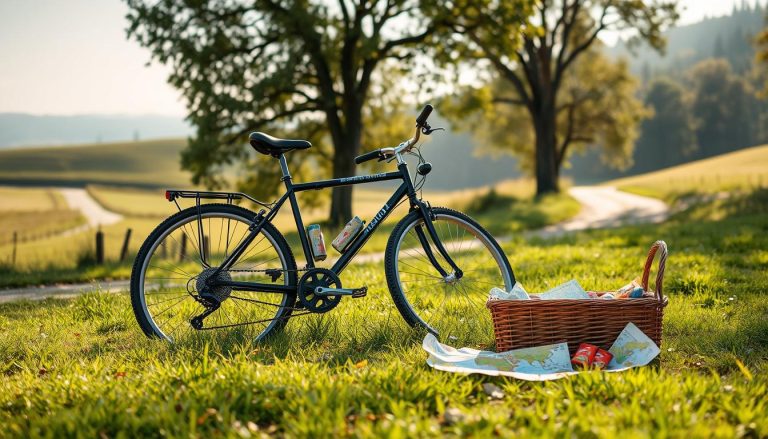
{"x": 379, "y": 216}
{"x": 361, "y": 178}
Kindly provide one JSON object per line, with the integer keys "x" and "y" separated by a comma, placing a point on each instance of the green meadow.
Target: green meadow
{"x": 358, "y": 370}
{"x": 81, "y": 367}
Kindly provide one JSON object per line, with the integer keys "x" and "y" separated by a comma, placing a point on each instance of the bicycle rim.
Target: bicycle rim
{"x": 452, "y": 309}
{"x": 178, "y": 258}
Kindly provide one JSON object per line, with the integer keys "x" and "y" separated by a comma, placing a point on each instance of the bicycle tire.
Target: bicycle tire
{"x": 400, "y": 297}
{"x": 183, "y": 217}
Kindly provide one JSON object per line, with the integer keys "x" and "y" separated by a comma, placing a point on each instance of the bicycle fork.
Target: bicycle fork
{"x": 427, "y": 215}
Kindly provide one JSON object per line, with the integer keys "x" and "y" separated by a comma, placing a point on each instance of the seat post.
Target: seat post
{"x": 284, "y": 168}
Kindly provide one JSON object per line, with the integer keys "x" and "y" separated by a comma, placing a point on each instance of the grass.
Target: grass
{"x": 739, "y": 171}
{"x": 151, "y": 163}
{"x": 15, "y": 199}
{"x": 55, "y": 259}
{"x": 33, "y": 214}
{"x": 81, "y": 367}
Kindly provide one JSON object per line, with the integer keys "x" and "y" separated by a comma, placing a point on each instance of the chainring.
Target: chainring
{"x": 318, "y": 277}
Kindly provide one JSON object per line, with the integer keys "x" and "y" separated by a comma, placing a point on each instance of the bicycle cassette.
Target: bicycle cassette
{"x": 318, "y": 277}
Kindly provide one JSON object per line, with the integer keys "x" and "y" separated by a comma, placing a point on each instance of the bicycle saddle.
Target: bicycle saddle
{"x": 266, "y": 144}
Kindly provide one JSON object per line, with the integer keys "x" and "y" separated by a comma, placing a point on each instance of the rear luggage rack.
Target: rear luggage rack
{"x": 173, "y": 194}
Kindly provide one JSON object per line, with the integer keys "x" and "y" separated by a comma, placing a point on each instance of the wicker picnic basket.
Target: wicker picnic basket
{"x": 527, "y": 323}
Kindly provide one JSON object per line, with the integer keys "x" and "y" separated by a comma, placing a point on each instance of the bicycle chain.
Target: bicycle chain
{"x": 261, "y": 302}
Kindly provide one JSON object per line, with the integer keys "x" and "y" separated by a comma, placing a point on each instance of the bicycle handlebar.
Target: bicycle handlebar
{"x": 385, "y": 153}
{"x": 369, "y": 156}
{"x": 422, "y": 119}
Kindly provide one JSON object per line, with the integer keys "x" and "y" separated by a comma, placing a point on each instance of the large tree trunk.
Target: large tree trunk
{"x": 341, "y": 197}
{"x": 547, "y": 172}
{"x": 344, "y": 166}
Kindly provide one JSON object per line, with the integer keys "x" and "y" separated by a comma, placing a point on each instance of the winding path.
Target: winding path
{"x": 602, "y": 207}
{"x": 93, "y": 212}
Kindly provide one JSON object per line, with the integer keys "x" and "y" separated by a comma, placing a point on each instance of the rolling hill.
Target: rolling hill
{"x": 155, "y": 163}
{"x": 726, "y": 172}
{"x": 151, "y": 163}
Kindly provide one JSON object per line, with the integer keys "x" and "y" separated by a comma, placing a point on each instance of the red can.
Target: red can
{"x": 602, "y": 358}
{"x": 584, "y": 355}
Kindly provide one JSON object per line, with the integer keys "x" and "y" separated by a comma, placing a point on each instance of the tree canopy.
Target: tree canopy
{"x": 536, "y": 72}
{"x": 325, "y": 71}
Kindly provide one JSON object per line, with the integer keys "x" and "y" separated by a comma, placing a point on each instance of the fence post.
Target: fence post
{"x": 124, "y": 250}
{"x": 183, "y": 247}
{"x": 15, "y": 242}
{"x": 99, "y": 247}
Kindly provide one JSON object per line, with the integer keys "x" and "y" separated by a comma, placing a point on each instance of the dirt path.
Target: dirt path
{"x": 602, "y": 207}
{"x": 93, "y": 212}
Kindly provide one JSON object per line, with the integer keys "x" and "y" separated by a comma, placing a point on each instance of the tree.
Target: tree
{"x": 560, "y": 33}
{"x": 598, "y": 106}
{"x": 669, "y": 137}
{"x": 298, "y": 66}
{"x": 725, "y": 106}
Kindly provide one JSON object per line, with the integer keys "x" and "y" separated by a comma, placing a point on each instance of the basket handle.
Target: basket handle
{"x": 662, "y": 246}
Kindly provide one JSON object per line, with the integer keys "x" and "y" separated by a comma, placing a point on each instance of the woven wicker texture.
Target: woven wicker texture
{"x": 527, "y": 323}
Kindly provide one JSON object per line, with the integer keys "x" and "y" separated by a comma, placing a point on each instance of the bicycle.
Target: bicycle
{"x": 439, "y": 263}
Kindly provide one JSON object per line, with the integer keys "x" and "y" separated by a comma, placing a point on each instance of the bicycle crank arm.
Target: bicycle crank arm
{"x": 354, "y": 292}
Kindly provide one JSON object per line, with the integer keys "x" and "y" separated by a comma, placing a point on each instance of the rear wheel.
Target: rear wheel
{"x": 181, "y": 253}
{"x": 451, "y": 307}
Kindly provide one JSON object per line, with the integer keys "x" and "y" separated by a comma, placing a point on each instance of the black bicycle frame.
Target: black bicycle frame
{"x": 406, "y": 188}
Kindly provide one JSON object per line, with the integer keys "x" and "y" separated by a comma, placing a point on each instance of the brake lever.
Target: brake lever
{"x": 427, "y": 130}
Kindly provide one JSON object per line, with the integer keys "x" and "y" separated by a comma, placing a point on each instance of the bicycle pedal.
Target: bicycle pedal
{"x": 359, "y": 292}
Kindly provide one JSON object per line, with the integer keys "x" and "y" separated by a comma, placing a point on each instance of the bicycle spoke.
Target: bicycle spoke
{"x": 453, "y": 307}
{"x": 171, "y": 308}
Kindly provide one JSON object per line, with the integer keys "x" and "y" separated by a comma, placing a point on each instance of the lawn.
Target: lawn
{"x": 33, "y": 214}
{"x": 81, "y": 367}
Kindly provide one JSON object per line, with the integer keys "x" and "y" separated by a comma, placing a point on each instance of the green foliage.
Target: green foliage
{"x": 724, "y": 105}
{"x": 669, "y": 135}
{"x": 597, "y": 108}
{"x": 304, "y": 69}
{"x": 81, "y": 367}
{"x": 559, "y": 80}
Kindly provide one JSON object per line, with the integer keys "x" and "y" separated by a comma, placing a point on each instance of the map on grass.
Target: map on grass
{"x": 632, "y": 348}
{"x": 541, "y": 363}
{"x": 535, "y": 364}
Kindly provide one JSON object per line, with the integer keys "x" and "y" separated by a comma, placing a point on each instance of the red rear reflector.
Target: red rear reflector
{"x": 168, "y": 195}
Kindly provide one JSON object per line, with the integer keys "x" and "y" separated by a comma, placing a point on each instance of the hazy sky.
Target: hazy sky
{"x": 72, "y": 57}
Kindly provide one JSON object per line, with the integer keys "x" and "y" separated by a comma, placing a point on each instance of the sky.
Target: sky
{"x": 66, "y": 57}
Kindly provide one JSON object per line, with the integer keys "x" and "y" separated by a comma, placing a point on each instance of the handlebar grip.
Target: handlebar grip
{"x": 368, "y": 156}
{"x": 422, "y": 119}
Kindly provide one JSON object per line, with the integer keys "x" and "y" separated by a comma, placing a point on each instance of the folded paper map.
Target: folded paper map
{"x": 568, "y": 290}
{"x": 541, "y": 363}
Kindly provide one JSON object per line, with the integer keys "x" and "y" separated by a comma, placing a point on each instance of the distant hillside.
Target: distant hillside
{"x": 748, "y": 167}
{"x": 148, "y": 164}
{"x": 18, "y": 129}
{"x": 156, "y": 163}
{"x": 728, "y": 37}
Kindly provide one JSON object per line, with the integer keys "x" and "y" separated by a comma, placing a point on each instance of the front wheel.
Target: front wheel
{"x": 451, "y": 307}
